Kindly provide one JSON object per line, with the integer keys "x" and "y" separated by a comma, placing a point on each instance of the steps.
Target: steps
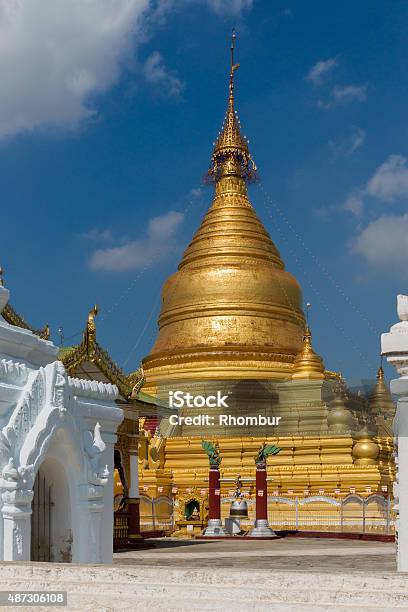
{"x": 136, "y": 587}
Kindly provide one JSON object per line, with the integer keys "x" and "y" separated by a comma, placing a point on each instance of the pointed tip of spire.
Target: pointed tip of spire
{"x": 308, "y": 364}
{"x": 380, "y": 399}
{"x": 231, "y": 154}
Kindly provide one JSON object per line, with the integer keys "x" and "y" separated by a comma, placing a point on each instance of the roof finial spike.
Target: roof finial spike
{"x": 234, "y": 66}
{"x": 308, "y": 307}
{"x": 380, "y": 371}
{"x": 1, "y": 276}
{"x": 308, "y": 365}
{"x": 231, "y": 156}
{"x": 61, "y": 335}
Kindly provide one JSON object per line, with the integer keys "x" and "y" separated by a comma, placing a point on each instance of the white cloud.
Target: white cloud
{"x": 390, "y": 181}
{"x": 354, "y": 204}
{"x": 223, "y": 8}
{"x": 344, "y": 94}
{"x": 158, "y": 75}
{"x": 321, "y": 70}
{"x": 159, "y": 242}
{"x": 384, "y": 243}
{"x": 97, "y": 235}
{"x": 348, "y": 144}
{"x": 357, "y": 140}
{"x": 229, "y": 7}
{"x": 195, "y": 193}
{"x": 349, "y": 93}
{"x": 388, "y": 184}
{"x": 56, "y": 55}
{"x": 165, "y": 226}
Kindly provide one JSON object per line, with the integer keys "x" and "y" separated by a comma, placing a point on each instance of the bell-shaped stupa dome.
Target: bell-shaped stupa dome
{"x": 231, "y": 311}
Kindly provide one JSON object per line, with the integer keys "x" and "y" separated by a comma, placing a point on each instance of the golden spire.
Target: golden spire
{"x": 308, "y": 365}
{"x": 1, "y": 276}
{"x": 231, "y": 310}
{"x": 380, "y": 399}
{"x": 231, "y": 156}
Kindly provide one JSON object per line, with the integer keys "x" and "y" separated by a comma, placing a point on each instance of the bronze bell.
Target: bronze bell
{"x": 239, "y": 509}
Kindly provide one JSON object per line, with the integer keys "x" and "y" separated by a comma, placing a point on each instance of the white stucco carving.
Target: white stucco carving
{"x": 65, "y": 427}
{"x": 394, "y": 345}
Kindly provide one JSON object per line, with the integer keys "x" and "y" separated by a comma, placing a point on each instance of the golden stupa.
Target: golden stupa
{"x": 231, "y": 310}
{"x": 232, "y": 317}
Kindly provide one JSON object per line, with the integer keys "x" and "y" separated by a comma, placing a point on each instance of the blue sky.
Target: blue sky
{"x": 108, "y": 113}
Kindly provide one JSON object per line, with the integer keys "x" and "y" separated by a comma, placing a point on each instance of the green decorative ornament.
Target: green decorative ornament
{"x": 213, "y": 453}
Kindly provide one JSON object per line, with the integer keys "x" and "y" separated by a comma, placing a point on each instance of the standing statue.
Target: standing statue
{"x": 265, "y": 451}
{"x": 213, "y": 452}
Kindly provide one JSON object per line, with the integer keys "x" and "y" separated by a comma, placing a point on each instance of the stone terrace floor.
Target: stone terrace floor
{"x": 309, "y": 554}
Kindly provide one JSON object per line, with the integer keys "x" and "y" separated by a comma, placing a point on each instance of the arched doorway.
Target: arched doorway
{"x": 41, "y": 519}
{"x": 51, "y": 529}
{"x": 121, "y": 493}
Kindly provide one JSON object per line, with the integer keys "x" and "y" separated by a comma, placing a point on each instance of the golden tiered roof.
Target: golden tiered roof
{"x": 231, "y": 310}
{"x": 13, "y": 318}
{"x": 89, "y": 360}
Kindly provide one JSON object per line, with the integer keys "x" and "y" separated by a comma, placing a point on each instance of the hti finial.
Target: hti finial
{"x": 92, "y": 314}
{"x": 380, "y": 372}
{"x": 61, "y": 335}
{"x": 1, "y": 276}
{"x": 234, "y": 67}
{"x": 308, "y": 307}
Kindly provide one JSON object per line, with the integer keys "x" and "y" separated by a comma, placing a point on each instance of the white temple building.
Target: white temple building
{"x": 57, "y": 437}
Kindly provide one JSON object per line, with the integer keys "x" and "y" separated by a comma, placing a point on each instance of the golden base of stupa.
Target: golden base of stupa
{"x": 307, "y": 480}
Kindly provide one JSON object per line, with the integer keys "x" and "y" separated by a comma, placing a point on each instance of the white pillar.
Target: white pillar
{"x": 16, "y": 513}
{"x": 107, "y": 512}
{"x": 402, "y": 432}
{"x": 87, "y": 545}
{"x": 395, "y": 346}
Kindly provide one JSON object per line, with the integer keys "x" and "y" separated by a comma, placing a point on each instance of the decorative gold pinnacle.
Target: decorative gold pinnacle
{"x": 234, "y": 66}
{"x": 231, "y": 156}
{"x": 380, "y": 400}
{"x": 13, "y": 318}
{"x": 90, "y": 332}
{"x": 89, "y": 350}
{"x": 308, "y": 365}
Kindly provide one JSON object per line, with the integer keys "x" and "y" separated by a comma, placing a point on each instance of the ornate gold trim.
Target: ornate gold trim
{"x": 13, "y": 318}
{"x": 90, "y": 350}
